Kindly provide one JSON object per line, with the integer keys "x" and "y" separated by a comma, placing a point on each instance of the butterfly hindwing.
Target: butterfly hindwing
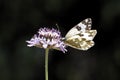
{"x": 81, "y": 36}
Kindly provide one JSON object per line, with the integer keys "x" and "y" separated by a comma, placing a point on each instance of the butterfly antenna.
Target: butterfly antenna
{"x": 63, "y": 39}
{"x": 57, "y": 26}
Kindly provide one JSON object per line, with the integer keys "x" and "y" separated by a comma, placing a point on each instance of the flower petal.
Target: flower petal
{"x": 47, "y": 38}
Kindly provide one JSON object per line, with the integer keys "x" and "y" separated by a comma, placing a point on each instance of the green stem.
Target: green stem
{"x": 46, "y": 64}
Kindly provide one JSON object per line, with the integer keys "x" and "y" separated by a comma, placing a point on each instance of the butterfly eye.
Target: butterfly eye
{"x": 63, "y": 39}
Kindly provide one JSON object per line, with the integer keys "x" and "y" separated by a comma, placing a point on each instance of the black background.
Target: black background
{"x": 21, "y": 19}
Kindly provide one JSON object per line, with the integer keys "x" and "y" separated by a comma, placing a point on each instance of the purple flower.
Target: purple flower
{"x": 47, "y": 38}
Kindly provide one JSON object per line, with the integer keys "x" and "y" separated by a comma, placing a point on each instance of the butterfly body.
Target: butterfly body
{"x": 81, "y": 36}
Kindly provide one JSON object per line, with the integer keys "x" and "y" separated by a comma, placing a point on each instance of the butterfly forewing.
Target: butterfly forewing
{"x": 81, "y": 27}
{"x": 81, "y": 36}
{"x": 88, "y": 34}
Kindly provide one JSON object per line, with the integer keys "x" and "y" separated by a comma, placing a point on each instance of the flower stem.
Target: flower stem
{"x": 46, "y": 63}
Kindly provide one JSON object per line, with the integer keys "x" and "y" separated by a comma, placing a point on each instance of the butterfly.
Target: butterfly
{"x": 81, "y": 36}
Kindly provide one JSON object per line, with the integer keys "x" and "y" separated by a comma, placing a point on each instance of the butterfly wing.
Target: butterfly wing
{"x": 80, "y": 41}
{"x": 81, "y": 27}
{"x": 81, "y": 36}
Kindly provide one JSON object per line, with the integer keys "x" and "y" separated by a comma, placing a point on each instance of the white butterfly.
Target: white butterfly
{"x": 81, "y": 36}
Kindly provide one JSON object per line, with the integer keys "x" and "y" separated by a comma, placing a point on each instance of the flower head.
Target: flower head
{"x": 47, "y": 38}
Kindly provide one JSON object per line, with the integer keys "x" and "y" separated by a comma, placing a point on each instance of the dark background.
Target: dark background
{"x": 21, "y": 19}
